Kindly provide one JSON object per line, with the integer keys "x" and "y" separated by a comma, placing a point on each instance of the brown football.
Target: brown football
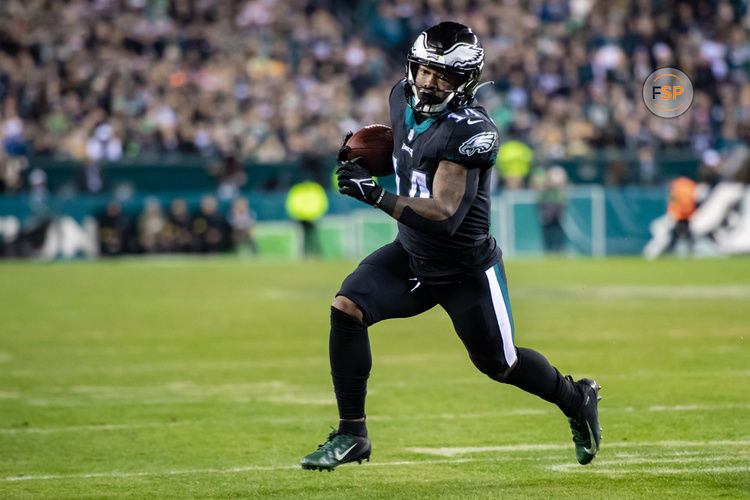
{"x": 374, "y": 144}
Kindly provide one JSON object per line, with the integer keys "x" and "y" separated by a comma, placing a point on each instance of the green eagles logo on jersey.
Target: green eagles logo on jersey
{"x": 480, "y": 143}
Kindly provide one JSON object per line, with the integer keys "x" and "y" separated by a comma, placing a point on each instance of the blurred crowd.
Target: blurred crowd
{"x": 270, "y": 81}
{"x": 177, "y": 230}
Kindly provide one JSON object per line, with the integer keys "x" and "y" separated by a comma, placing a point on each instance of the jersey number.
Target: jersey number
{"x": 419, "y": 185}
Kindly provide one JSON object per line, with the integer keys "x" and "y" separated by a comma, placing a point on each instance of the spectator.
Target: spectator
{"x": 151, "y": 228}
{"x": 208, "y": 227}
{"x": 38, "y": 187}
{"x": 278, "y": 81}
{"x": 230, "y": 176}
{"x": 709, "y": 170}
{"x": 113, "y": 230}
{"x": 103, "y": 145}
{"x": 241, "y": 221}
{"x": 681, "y": 207}
{"x": 11, "y": 168}
{"x": 646, "y": 166}
{"x": 12, "y": 131}
{"x": 551, "y": 209}
{"x": 514, "y": 162}
{"x": 177, "y": 233}
{"x": 306, "y": 202}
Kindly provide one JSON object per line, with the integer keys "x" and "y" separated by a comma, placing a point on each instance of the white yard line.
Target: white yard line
{"x": 456, "y": 451}
{"x": 523, "y": 447}
{"x": 656, "y": 470}
{"x": 88, "y": 428}
{"x": 654, "y": 460}
{"x": 148, "y": 473}
{"x": 728, "y": 406}
{"x": 643, "y": 292}
{"x": 249, "y": 468}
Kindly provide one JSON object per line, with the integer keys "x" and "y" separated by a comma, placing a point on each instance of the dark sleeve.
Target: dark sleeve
{"x": 396, "y": 91}
{"x": 472, "y": 143}
{"x": 450, "y": 225}
{"x": 395, "y": 99}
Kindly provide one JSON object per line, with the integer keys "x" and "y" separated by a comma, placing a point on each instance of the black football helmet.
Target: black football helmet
{"x": 448, "y": 47}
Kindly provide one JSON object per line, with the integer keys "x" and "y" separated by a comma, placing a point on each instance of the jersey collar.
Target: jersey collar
{"x": 413, "y": 128}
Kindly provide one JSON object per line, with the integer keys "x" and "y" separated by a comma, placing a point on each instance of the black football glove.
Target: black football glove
{"x": 356, "y": 181}
{"x": 344, "y": 149}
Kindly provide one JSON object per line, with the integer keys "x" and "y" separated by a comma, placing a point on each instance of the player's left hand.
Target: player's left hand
{"x": 356, "y": 181}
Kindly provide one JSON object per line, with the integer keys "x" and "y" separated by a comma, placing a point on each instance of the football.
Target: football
{"x": 374, "y": 144}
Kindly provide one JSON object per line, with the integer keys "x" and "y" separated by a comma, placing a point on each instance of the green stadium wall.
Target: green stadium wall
{"x": 598, "y": 221}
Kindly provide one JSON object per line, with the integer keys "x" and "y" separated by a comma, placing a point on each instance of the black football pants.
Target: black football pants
{"x": 384, "y": 287}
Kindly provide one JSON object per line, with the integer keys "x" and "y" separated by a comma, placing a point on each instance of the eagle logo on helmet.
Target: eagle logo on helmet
{"x": 478, "y": 144}
{"x": 465, "y": 55}
{"x": 460, "y": 55}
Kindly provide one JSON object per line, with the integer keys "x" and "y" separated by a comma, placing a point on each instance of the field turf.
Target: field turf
{"x": 174, "y": 378}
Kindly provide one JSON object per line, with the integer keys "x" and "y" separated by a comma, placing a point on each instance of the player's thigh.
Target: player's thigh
{"x": 383, "y": 287}
{"x": 480, "y": 310}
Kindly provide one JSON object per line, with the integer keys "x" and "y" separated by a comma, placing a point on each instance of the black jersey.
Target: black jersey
{"x": 466, "y": 136}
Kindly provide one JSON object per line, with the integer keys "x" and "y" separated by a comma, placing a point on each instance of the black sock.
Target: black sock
{"x": 351, "y": 361}
{"x": 356, "y": 427}
{"x": 534, "y": 374}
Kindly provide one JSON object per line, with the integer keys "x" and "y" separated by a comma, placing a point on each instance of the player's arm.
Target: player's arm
{"x": 454, "y": 190}
{"x": 448, "y": 188}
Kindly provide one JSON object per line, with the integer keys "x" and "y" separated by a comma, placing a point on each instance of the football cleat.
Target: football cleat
{"x": 338, "y": 449}
{"x": 585, "y": 424}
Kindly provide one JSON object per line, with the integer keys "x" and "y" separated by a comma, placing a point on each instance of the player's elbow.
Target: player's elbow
{"x": 449, "y": 224}
{"x": 449, "y": 217}
{"x": 446, "y": 208}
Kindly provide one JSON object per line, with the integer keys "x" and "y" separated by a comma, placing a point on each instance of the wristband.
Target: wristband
{"x": 386, "y": 202}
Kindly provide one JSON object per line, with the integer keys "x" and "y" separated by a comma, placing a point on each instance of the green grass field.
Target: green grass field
{"x": 209, "y": 378}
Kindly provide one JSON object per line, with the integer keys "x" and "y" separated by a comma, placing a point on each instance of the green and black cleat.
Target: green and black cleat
{"x": 338, "y": 449}
{"x": 585, "y": 424}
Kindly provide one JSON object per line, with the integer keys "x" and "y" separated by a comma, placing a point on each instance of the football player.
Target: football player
{"x": 445, "y": 145}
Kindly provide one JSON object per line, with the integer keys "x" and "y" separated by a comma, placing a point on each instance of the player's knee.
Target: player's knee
{"x": 346, "y": 305}
{"x": 494, "y": 369}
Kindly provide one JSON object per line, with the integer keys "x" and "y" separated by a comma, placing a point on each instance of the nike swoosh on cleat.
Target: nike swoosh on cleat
{"x": 472, "y": 122}
{"x": 340, "y": 456}
{"x": 592, "y": 450}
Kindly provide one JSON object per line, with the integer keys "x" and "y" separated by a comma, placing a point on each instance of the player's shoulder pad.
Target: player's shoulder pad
{"x": 398, "y": 87}
{"x": 474, "y": 139}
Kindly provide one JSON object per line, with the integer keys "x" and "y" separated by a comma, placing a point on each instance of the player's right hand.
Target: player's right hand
{"x": 356, "y": 181}
{"x": 344, "y": 149}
